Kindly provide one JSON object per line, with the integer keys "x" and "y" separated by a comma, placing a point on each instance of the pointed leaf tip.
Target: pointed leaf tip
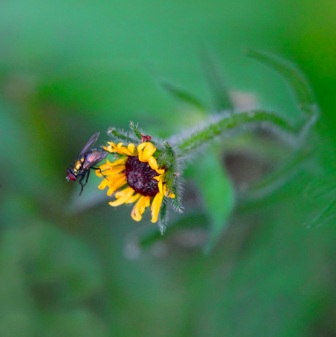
{"x": 183, "y": 95}
{"x": 219, "y": 91}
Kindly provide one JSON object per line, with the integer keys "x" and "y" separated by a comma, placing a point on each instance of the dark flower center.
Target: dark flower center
{"x": 140, "y": 176}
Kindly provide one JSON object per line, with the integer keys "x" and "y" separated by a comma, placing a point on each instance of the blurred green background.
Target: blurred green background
{"x": 72, "y": 266}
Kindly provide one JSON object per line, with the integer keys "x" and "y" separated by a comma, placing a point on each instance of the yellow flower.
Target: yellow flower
{"x": 135, "y": 178}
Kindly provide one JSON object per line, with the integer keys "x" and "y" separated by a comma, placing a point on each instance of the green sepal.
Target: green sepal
{"x": 121, "y": 136}
{"x": 134, "y": 128}
{"x": 163, "y": 217}
{"x": 173, "y": 176}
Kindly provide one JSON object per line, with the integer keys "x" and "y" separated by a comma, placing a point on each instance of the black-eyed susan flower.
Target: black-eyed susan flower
{"x": 135, "y": 177}
{"x": 147, "y": 173}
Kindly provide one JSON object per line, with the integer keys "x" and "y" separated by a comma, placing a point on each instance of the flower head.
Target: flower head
{"x": 135, "y": 177}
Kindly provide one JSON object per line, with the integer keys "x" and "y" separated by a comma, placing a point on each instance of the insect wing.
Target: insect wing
{"x": 93, "y": 158}
{"x": 90, "y": 143}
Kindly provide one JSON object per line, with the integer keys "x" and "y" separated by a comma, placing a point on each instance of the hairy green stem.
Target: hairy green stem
{"x": 135, "y": 130}
{"x": 120, "y": 136}
{"x": 216, "y": 128}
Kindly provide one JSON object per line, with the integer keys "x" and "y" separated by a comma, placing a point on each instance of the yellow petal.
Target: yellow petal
{"x": 112, "y": 172}
{"x": 160, "y": 183}
{"x": 116, "y": 184}
{"x": 111, "y": 147}
{"x": 122, "y": 149}
{"x": 118, "y": 162}
{"x": 103, "y": 184}
{"x": 145, "y": 151}
{"x": 132, "y": 149}
{"x": 103, "y": 167}
{"x": 140, "y": 207}
{"x": 153, "y": 163}
{"x": 115, "y": 170}
{"x": 122, "y": 197}
{"x": 133, "y": 199}
{"x": 156, "y": 205}
{"x": 163, "y": 187}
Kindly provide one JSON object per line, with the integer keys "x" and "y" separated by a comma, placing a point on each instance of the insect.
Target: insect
{"x": 86, "y": 160}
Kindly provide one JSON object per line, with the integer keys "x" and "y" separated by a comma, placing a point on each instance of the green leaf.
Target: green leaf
{"x": 218, "y": 194}
{"x": 183, "y": 95}
{"x": 219, "y": 91}
{"x": 297, "y": 82}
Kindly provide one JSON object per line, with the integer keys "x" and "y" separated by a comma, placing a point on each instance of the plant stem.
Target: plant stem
{"x": 216, "y": 128}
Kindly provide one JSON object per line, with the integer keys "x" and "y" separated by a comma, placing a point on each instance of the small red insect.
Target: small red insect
{"x": 145, "y": 138}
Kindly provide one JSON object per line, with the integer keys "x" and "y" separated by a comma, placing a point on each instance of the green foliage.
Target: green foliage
{"x": 71, "y": 266}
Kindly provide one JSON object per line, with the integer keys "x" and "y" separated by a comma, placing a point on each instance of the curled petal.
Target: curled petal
{"x": 117, "y": 162}
{"x": 111, "y": 147}
{"x": 116, "y": 184}
{"x": 160, "y": 183}
{"x": 156, "y": 205}
{"x": 153, "y": 163}
{"x": 111, "y": 169}
{"x": 146, "y": 150}
{"x": 115, "y": 170}
{"x": 103, "y": 184}
{"x": 133, "y": 199}
{"x": 132, "y": 149}
{"x": 140, "y": 207}
{"x": 122, "y": 197}
{"x": 104, "y": 167}
{"x": 170, "y": 195}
